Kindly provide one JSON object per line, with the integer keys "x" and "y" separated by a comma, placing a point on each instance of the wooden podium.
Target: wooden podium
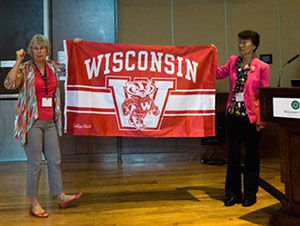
{"x": 289, "y": 214}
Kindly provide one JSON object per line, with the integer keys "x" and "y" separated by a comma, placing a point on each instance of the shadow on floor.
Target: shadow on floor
{"x": 259, "y": 216}
{"x": 214, "y": 193}
{"x": 143, "y": 196}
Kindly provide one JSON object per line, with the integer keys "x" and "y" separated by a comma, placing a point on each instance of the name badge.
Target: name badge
{"x": 46, "y": 102}
{"x": 239, "y": 97}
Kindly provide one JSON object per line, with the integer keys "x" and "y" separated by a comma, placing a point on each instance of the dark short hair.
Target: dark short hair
{"x": 252, "y": 35}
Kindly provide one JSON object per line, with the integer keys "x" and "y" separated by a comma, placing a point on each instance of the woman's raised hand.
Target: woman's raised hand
{"x": 20, "y": 54}
{"x": 77, "y": 40}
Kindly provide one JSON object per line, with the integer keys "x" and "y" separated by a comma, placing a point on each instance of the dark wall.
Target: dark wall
{"x": 19, "y": 21}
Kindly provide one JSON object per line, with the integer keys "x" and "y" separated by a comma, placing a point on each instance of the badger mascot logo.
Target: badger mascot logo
{"x": 139, "y": 102}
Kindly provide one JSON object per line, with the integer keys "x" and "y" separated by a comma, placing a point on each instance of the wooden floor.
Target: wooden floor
{"x": 138, "y": 195}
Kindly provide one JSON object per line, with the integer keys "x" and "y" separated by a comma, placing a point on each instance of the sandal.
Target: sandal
{"x": 63, "y": 205}
{"x": 43, "y": 214}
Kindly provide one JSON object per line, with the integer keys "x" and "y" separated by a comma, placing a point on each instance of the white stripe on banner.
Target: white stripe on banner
{"x": 93, "y": 112}
{"x": 104, "y": 100}
{"x": 86, "y": 99}
{"x": 191, "y": 102}
{"x": 89, "y": 87}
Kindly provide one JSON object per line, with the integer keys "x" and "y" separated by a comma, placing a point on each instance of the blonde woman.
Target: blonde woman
{"x": 38, "y": 119}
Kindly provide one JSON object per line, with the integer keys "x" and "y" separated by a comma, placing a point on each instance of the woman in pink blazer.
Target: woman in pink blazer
{"x": 246, "y": 74}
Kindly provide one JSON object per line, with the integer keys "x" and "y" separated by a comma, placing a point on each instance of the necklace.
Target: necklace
{"x": 44, "y": 77}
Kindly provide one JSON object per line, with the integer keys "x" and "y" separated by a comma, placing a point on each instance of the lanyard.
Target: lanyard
{"x": 44, "y": 77}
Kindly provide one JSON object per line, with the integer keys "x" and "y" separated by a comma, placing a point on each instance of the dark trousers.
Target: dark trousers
{"x": 239, "y": 130}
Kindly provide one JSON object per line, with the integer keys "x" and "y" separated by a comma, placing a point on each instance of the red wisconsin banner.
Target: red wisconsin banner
{"x": 140, "y": 91}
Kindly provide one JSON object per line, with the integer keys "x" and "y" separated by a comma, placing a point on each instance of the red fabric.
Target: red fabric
{"x": 140, "y": 91}
{"x": 45, "y": 113}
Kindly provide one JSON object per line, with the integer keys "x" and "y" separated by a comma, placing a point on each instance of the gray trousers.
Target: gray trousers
{"x": 42, "y": 137}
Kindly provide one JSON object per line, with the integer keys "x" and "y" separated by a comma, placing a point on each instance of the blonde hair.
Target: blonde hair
{"x": 40, "y": 40}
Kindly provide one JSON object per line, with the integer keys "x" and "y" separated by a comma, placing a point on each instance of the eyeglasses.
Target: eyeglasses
{"x": 37, "y": 49}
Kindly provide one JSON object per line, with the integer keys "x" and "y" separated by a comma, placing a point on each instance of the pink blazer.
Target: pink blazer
{"x": 258, "y": 76}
